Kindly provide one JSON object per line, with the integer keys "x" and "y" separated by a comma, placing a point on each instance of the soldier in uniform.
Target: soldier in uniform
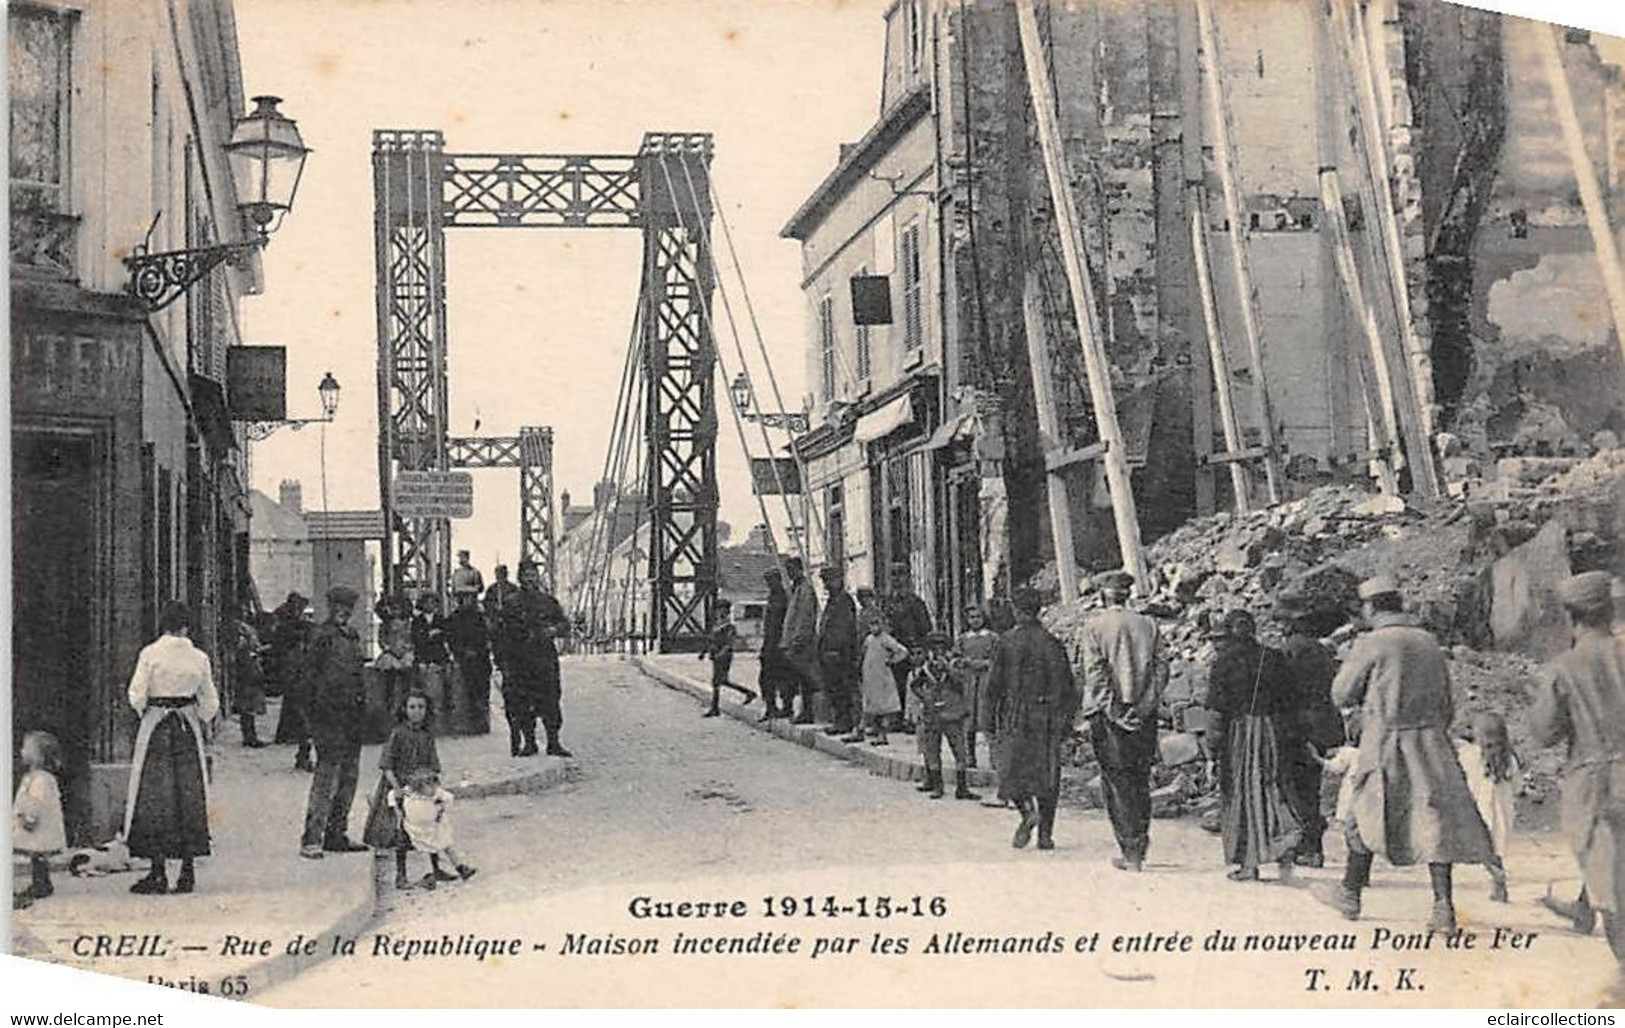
{"x": 337, "y": 719}
{"x": 529, "y": 622}
{"x": 470, "y": 643}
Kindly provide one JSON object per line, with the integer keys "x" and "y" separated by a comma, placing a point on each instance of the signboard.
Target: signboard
{"x": 433, "y": 494}
{"x": 763, "y": 481}
{"x": 871, "y": 300}
{"x": 257, "y": 383}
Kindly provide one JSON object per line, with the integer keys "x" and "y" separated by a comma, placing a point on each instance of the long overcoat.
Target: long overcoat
{"x": 1035, "y": 699}
{"x": 1580, "y": 702}
{"x": 1411, "y": 800}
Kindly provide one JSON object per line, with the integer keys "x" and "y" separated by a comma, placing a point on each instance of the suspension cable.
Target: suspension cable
{"x": 739, "y": 349}
{"x": 602, "y": 576}
{"x": 710, "y": 324}
{"x": 814, "y": 517}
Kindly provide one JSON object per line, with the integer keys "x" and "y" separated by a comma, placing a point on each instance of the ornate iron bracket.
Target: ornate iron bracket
{"x": 259, "y": 431}
{"x": 795, "y": 423}
{"x": 159, "y": 279}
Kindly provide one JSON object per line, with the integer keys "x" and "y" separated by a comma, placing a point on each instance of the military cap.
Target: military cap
{"x": 1027, "y": 601}
{"x": 342, "y": 596}
{"x": 1292, "y": 605}
{"x": 1589, "y": 591}
{"x": 1378, "y": 585}
{"x": 832, "y": 571}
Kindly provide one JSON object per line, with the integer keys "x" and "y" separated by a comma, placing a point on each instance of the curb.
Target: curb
{"x": 365, "y": 909}
{"x": 872, "y": 759}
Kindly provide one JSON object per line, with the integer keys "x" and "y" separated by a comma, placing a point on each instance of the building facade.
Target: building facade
{"x": 128, "y": 485}
{"x": 878, "y": 389}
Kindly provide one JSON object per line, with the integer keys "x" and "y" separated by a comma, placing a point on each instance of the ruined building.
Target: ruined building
{"x": 924, "y": 447}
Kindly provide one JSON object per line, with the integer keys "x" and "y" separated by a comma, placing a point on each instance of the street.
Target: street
{"x": 666, "y": 804}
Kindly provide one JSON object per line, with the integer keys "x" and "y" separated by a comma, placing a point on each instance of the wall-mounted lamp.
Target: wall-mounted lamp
{"x": 792, "y": 421}
{"x": 267, "y": 158}
{"x": 328, "y": 390}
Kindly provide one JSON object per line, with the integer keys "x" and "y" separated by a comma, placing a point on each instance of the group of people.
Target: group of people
{"x": 1382, "y": 717}
{"x": 321, "y": 671}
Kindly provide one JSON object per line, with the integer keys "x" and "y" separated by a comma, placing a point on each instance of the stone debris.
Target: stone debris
{"x": 1478, "y": 570}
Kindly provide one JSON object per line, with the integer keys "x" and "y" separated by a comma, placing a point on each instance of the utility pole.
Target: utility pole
{"x": 1219, "y": 110}
{"x": 1084, "y": 310}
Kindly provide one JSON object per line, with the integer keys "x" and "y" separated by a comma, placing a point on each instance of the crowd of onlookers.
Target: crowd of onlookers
{"x": 431, "y": 668}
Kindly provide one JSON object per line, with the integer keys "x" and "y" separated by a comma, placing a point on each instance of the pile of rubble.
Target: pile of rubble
{"x": 1478, "y": 571}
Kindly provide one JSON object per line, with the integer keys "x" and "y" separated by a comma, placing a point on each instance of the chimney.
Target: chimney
{"x": 564, "y": 500}
{"x": 602, "y": 495}
{"x": 292, "y": 495}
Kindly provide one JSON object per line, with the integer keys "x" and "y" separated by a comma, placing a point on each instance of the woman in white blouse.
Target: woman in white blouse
{"x": 167, "y": 813}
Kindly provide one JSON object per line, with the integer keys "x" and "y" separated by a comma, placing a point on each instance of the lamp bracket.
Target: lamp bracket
{"x": 259, "y": 431}
{"x": 159, "y": 279}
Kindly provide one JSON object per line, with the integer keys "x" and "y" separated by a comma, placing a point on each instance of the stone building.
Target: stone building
{"x": 128, "y": 477}
{"x": 924, "y": 441}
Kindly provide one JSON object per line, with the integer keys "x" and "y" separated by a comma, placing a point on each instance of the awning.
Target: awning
{"x": 883, "y": 421}
{"x": 952, "y": 431}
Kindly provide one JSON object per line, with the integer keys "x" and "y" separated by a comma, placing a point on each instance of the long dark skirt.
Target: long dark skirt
{"x": 170, "y": 820}
{"x": 1259, "y": 826}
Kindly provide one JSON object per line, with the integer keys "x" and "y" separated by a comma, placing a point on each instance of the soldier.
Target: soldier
{"x": 910, "y": 622}
{"x": 1410, "y": 798}
{"x": 1580, "y": 704}
{"x": 800, "y": 640}
{"x": 337, "y": 716}
{"x": 470, "y": 643}
{"x": 840, "y": 645}
{"x": 1123, "y": 665}
{"x": 529, "y": 622}
{"x": 466, "y": 579}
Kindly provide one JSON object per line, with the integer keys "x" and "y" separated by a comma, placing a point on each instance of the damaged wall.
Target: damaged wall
{"x": 1544, "y": 368}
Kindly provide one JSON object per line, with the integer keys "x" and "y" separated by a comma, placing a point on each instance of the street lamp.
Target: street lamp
{"x": 793, "y": 421}
{"x": 267, "y": 158}
{"x": 328, "y": 390}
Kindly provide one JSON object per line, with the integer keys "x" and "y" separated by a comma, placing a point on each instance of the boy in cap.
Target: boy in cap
{"x": 940, "y": 690}
{"x": 719, "y": 650}
{"x": 337, "y": 713}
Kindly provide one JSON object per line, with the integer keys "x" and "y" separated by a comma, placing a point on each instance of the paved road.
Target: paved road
{"x": 668, "y": 804}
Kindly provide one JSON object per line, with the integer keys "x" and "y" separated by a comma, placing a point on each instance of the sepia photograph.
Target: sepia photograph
{"x": 818, "y": 503}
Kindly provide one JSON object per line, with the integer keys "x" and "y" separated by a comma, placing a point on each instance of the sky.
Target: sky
{"x": 538, "y": 320}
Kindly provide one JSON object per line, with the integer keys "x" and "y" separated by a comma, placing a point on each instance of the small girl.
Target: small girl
{"x": 37, "y": 829}
{"x": 879, "y": 686}
{"x": 973, "y": 656}
{"x": 719, "y": 648}
{"x": 423, "y": 805}
{"x": 1492, "y": 777}
{"x": 410, "y": 748}
{"x": 1341, "y": 763}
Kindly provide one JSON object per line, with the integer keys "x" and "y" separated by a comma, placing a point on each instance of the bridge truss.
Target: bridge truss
{"x": 420, "y": 191}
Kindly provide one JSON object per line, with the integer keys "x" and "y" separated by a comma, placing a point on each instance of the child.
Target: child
{"x": 1492, "y": 769}
{"x": 719, "y": 646}
{"x": 37, "y": 830}
{"x": 410, "y": 749}
{"x": 1342, "y": 762}
{"x": 879, "y": 687}
{"x": 973, "y": 656}
{"x": 423, "y": 805}
{"x": 943, "y": 712}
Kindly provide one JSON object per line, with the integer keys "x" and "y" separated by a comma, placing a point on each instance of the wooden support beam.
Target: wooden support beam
{"x": 1236, "y": 457}
{"x": 1078, "y": 281}
{"x": 1585, "y": 174}
{"x": 1376, "y": 386}
{"x": 1240, "y": 480}
{"x": 1415, "y": 391}
{"x": 1049, "y": 432}
{"x": 1189, "y": 93}
{"x": 1219, "y": 110}
{"x": 1059, "y": 459}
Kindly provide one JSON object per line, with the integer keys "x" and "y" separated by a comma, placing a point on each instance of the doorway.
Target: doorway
{"x": 54, "y": 584}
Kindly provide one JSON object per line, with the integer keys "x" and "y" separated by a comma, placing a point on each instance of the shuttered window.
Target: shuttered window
{"x": 826, "y": 347}
{"x": 865, "y": 346}
{"x": 40, "y": 63}
{"x": 908, "y": 261}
